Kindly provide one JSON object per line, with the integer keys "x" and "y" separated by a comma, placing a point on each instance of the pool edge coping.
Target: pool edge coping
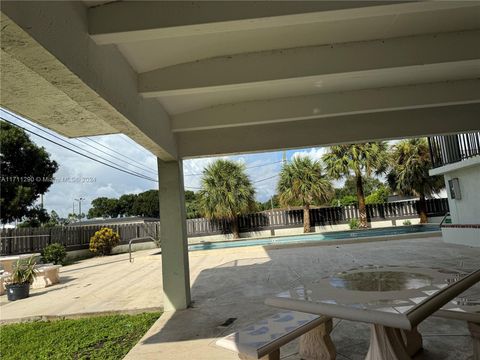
{"x": 359, "y": 240}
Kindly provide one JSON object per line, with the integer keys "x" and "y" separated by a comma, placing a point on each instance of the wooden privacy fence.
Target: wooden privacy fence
{"x": 25, "y": 240}
{"x": 29, "y": 240}
{"x": 278, "y": 219}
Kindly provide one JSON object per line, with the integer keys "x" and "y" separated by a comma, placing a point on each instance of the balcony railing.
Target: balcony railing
{"x": 450, "y": 149}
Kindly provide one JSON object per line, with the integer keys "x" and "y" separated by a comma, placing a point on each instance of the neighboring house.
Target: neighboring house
{"x": 457, "y": 158}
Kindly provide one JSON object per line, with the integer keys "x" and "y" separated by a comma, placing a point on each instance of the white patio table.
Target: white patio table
{"x": 394, "y": 299}
{"x": 8, "y": 262}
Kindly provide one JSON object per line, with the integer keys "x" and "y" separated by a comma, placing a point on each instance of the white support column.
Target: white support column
{"x": 173, "y": 236}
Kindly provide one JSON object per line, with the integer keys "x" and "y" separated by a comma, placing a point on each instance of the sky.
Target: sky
{"x": 79, "y": 177}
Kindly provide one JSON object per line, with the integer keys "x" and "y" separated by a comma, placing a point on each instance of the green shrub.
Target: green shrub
{"x": 104, "y": 241}
{"x": 54, "y": 253}
{"x": 354, "y": 224}
{"x": 379, "y": 196}
{"x": 24, "y": 271}
{"x": 407, "y": 222}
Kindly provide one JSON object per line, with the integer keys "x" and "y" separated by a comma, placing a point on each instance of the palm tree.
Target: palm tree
{"x": 226, "y": 192}
{"x": 302, "y": 183}
{"x": 358, "y": 160}
{"x": 408, "y": 175}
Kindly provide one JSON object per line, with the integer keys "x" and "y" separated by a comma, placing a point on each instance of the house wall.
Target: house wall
{"x": 467, "y": 209}
{"x": 464, "y": 212}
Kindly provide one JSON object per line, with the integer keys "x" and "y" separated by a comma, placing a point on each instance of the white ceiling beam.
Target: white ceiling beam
{"x": 128, "y": 21}
{"x": 329, "y": 105}
{"x": 310, "y": 62}
{"x": 330, "y": 131}
{"x": 73, "y": 79}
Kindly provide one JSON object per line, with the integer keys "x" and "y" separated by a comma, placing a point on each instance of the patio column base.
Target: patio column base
{"x": 386, "y": 343}
{"x": 317, "y": 344}
{"x": 475, "y": 333}
{"x": 413, "y": 341}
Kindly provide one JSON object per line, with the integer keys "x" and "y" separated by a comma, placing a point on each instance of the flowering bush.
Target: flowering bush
{"x": 103, "y": 241}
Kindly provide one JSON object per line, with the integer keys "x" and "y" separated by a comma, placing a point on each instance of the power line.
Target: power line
{"x": 116, "y": 152}
{"x": 69, "y": 143}
{"x": 131, "y": 142}
{"x": 271, "y": 177}
{"x": 104, "y": 152}
{"x": 77, "y": 152}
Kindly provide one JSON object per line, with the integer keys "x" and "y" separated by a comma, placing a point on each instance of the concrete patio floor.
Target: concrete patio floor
{"x": 233, "y": 283}
{"x": 238, "y": 285}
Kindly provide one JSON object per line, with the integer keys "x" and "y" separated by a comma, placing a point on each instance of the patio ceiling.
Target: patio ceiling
{"x": 200, "y": 78}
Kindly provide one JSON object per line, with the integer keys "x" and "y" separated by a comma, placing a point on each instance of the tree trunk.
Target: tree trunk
{"x": 362, "y": 209}
{"x": 422, "y": 209}
{"x": 306, "y": 219}
{"x": 235, "y": 228}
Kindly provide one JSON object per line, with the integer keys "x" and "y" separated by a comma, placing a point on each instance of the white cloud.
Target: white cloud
{"x": 314, "y": 153}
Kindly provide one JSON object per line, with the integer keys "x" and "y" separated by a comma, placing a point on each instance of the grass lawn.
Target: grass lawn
{"x": 103, "y": 337}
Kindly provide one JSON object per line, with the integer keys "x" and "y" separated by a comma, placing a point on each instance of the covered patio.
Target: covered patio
{"x": 192, "y": 79}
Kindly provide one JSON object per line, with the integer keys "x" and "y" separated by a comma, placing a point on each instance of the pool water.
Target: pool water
{"x": 328, "y": 236}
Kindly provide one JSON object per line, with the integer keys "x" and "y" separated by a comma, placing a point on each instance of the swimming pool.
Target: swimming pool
{"x": 307, "y": 238}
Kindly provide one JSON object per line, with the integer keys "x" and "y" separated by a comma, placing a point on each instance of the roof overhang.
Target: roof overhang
{"x": 200, "y": 78}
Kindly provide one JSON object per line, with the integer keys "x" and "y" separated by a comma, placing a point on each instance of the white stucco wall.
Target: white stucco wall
{"x": 467, "y": 209}
{"x": 469, "y": 237}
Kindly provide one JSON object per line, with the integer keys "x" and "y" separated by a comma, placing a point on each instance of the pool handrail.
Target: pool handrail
{"x": 447, "y": 214}
{"x": 135, "y": 240}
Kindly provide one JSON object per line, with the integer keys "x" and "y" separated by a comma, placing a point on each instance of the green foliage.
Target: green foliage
{"x": 147, "y": 204}
{"x": 104, "y": 207}
{"x": 54, "y": 220}
{"x": 125, "y": 204}
{"x": 379, "y": 196}
{"x": 71, "y": 218}
{"x": 94, "y": 338}
{"x": 370, "y": 185}
{"x": 27, "y": 172}
{"x": 302, "y": 183}
{"x": 359, "y": 161}
{"x": 103, "y": 241}
{"x": 407, "y": 222}
{"x": 226, "y": 192}
{"x": 191, "y": 204}
{"x": 356, "y": 160}
{"x": 267, "y": 205}
{"x": 345, "y": 200}
{"x": 35, "y": 217}
{"x": 24, "y": 271}
{"x": 54, "y": 253}
{"x": 410, "y": 162}
{"x": 354, "y": 224}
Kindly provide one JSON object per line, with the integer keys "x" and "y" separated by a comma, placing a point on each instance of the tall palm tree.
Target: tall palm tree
{"x": 226, "y": 192}
{"x": 358, "y": 160}
{"x": 408, "y": 175}
{"x": 302, "y": 183}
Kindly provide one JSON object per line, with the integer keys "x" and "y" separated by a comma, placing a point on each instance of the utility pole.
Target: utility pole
{"x": 80, "y": 208}
{"x": 284, "y": 157}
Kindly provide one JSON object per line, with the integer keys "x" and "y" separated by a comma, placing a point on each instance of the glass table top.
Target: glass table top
{"x": 386, "y": 289}
{"x": 380, "y": 281}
